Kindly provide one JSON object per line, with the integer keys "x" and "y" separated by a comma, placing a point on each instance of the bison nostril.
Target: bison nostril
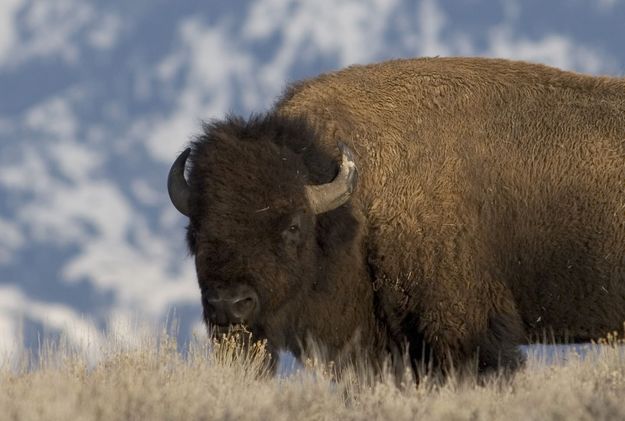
{"x": 210, "y": 311}
{"x": 243, "y": 307}
{"x": 226, "y": 307}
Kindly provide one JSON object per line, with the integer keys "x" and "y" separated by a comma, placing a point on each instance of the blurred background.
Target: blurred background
{"x": 98, "y": 97}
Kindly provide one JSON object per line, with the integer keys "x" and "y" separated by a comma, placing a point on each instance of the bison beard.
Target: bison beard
{"x": 488, "y": 210}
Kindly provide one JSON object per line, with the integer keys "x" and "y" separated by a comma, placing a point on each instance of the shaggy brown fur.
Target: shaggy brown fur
{"x": 490, "y": 209}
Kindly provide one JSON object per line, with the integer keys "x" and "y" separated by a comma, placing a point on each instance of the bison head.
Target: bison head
{"x": 254, "y": 194}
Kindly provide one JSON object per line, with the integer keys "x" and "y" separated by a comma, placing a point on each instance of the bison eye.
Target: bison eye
{"x": 292, "y": 233}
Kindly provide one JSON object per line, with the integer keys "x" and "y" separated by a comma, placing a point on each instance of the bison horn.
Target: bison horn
{"x": 177, "y": 185}
{"x": 325, "y": 197}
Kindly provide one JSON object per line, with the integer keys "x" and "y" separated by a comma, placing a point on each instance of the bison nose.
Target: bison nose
{"x": 227, "y": 308}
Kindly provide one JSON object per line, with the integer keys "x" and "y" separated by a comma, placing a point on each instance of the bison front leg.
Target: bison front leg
{"x": 474, "y": 335}
{"x": 448, "y": 300}
{"x": 498, "y": 348}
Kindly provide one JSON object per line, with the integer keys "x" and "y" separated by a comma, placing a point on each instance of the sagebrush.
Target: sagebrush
{"x": 225, "y": 380}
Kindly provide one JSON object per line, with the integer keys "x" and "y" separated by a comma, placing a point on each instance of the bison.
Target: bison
{"x": 451, "y": 207}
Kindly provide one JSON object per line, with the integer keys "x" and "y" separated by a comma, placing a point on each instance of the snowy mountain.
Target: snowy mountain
{"x": 97, "y": 98}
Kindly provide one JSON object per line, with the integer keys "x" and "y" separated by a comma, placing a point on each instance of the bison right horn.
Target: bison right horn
{"x": 325, "y": 197}
{"x": 177, "y": 186}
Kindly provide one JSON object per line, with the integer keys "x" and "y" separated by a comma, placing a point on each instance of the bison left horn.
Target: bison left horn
{"x": 177, "y": 185}
{"x": 325, "y": 197}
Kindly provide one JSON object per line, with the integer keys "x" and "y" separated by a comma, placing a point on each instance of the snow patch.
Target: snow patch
{"x": 215, "y": 71}
{"x": 15, "y": 306}
{"x": 8, "y": 30}
{"x": 53, "y": 29}
{"x": 105, "y": 33}
{"x": 11, "y": 239}
{"x": 53, "y": 117}
{"x": 552, "y": 49}
{"x": 432, "y": 21}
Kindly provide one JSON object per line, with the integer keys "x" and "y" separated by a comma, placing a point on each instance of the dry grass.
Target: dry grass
{"x": 218, "y": 381}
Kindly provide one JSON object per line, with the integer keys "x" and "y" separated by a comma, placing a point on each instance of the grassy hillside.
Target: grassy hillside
{"x": 216, "y": 381}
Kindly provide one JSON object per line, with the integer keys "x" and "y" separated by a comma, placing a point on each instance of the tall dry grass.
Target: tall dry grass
{"x": 218, "y": 381}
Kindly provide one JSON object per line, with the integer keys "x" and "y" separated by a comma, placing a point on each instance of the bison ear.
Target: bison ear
{"x": 326, "y": 197}
{"x": 177, "y": 186}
